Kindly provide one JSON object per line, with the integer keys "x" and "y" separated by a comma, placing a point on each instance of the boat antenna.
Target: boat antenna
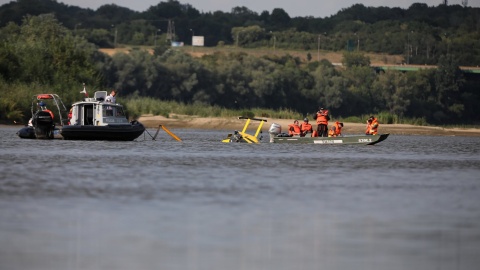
{"x": 84, "y": 91}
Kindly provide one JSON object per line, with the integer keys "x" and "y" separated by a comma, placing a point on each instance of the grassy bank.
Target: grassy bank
{"x": 332, "y": 56}
{"x": 143, "y": 106}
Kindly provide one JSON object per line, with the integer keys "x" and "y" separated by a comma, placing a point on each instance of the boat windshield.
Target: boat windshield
{"x": 114, "y": 111}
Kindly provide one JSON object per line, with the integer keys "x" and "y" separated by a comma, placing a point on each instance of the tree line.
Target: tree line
{"x": 41, "y": 55}
{"x": 420, "y": 33}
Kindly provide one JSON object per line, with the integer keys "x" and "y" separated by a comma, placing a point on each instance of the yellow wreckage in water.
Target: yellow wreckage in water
{"x": 242, "y": 136}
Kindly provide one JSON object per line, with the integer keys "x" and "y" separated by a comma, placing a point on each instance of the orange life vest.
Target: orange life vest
{"x": 306, "y": 127}
{"x": 372, "y": 128}
{"x": 294, "y": 129}
{"x": 336, "y": 130}
{"x": 322, "y": 117}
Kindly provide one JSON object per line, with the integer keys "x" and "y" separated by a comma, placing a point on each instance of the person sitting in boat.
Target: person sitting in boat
{"x": 69, "y": 116}
{"x": 43, "y": 107}
{"x": 336, "y": 130}
{"x": 111, "y": 98}
{"x": 306, "y": 127}
{"x": 372, "y": 126}
{"x": 322, "y": 118}
{"x": 294, "y": 129}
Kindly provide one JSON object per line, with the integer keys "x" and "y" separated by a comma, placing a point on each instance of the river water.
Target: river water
{"x": 410, "y": 202}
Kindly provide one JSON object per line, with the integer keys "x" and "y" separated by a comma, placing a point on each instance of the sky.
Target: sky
{"x": 294, "y": 8}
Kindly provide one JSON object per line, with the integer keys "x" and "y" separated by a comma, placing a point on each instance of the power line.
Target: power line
{"x": 171, "y": 30}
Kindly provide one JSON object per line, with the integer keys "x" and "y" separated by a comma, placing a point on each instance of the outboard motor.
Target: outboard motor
{"x": 43, "y": 125}
{"x": 274, "y": 130}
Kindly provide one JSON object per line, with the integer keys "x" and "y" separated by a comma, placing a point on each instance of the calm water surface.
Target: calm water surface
{"x": 410, "y": 202}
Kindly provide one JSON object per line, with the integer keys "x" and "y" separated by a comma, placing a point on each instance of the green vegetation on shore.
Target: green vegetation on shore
{"x": 142, "y": 106}
{"x": 421, "y": 33}
{"x": 40, "y": 55}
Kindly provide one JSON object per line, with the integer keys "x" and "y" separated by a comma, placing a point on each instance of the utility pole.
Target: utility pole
{"x": 358, "y": 42}
{"x": 115, "y": 36}
{"x": 158, "y": 30}
{"x": 78, "y": 24}
{"x": 318, "y": 49}
{"x": 409, "y": 47}
{"x": 193, "y": 35}
{"x": 238, "y": 37}
{"x": 171, "y": 30}
{"x": 170, "y": 35}
{"x": 274, "y": 41}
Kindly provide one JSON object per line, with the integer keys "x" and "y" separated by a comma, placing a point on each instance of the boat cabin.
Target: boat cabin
{"x": 96, "y": 112}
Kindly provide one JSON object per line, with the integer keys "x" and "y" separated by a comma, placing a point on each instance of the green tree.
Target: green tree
{"x": 393, "y": 88}
{"x": 280, "y": 18}
{"x": 101, "y": 37}
{"x": 355, "y": 59}
{"x": 329, "y": 87}
{"x": 448, "y": 84}
{"x": 359, "y": 83}
{"x": 47, "y": 53}
{"x": 422, "y": 100}
{"x": 247, "y": 35}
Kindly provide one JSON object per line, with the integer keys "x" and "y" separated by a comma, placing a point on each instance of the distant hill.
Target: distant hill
{"x": 420, "y": 33}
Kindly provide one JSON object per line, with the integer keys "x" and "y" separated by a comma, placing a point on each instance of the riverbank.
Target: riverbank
{"x": 233, "y": 123}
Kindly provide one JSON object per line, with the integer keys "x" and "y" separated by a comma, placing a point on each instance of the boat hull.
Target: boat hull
{"x": 128, "y": 132}
{"x": 28, "y": 132}
{"x": 352, "y": 139}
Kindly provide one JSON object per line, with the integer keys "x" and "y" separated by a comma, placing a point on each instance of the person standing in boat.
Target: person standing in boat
{"x": 372, "y": 126}
{"x": 294, "y": 129}
{"x": 336, "y": 130}
{"x": 111, "y": 98}
{"x": 306, "y": 127}
{"x": 322, "y": 118}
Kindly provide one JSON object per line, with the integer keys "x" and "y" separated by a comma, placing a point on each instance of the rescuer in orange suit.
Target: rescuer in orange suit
{"x": 336, "y": 130}
{"x": 306, "y": 127}
{"x": 322, "y": 118}
{"x": 294, "y": 129}
{"x": 372, "y": 126}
